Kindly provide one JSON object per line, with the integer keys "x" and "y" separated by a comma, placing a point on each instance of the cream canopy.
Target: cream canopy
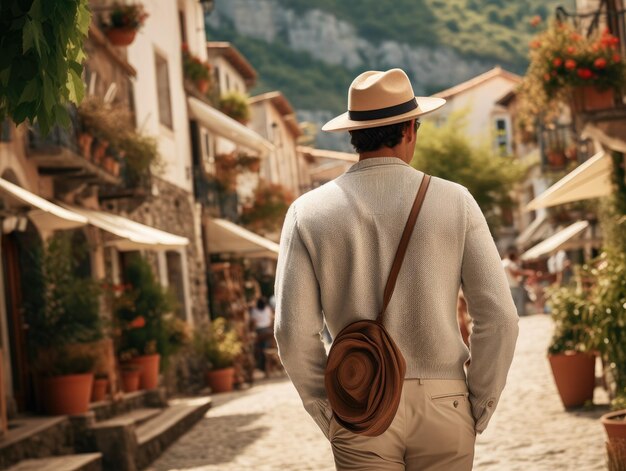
{"x": 227, "y": 127}
{"x": 132, "y": 235}
{"x": 225, "y": 236}
{"x": 592, "y": 179}
{"x": 555, "y": 242}
{"x": 44, "y": 214}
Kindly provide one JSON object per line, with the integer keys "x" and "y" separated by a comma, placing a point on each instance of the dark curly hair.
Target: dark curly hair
{"x": 364, "y": 140}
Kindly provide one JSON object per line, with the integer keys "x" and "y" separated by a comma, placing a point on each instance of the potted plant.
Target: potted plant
{"x": 269, "y": 207}
{"x": 100, "y": 386}
{"x": 196, "y": 70}
{"x": 141, "y": 312}
{"x": 218, "y": 346}
{"x": 63, "y": 314}
{"x": 235, "y": 105}
{"x": 570, "y": 68}
{"x": 123, "y": 23}
{"x": 131, "y": 376}
{"x": 250, "y": 163}
{"x": 570, "y": 352}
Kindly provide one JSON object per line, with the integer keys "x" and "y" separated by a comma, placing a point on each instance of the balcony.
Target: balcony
{"x": 71, "y": 156}
{"x": 589, "y": 104}
{"x": 218, "y": 202}
{"x": 560, "y": 148}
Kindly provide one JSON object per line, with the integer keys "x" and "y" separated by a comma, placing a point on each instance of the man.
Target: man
{"x": 336, "y": 250}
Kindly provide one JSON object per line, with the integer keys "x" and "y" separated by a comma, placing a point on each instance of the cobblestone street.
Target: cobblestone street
{"x": 266, "y": 428}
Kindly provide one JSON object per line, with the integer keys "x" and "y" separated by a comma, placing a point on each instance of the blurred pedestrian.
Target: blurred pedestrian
{"x": 262, "y": 317}
{"x": 514, "y": 276}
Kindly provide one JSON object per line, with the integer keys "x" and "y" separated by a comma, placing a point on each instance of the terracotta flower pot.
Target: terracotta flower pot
{"x": 85, "y": 140}
{"x": 589, "y": 98}
{"x": 574, "y": 375}
{"x": 130, "y": 380}
{"x": 120, "y": 36}
{"x": 149, "y": 370}
{"x": 99, "y": 390}
{"x": 67, "y": 394}
{"x": 221, "y": 380}
{"x": 615, "y": 426}
{"x": 202, "y": 85}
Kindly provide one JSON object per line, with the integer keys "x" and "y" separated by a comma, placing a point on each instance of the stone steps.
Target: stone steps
{"x": 83, "y": 462}
{"x": 131, "y": 441}
{"x": 154, "y": 436}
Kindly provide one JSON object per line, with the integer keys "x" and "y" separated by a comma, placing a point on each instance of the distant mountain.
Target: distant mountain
{"x": 311, "y": 50}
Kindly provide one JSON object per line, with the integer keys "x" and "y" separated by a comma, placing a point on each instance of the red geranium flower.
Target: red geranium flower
{"x": 138, "y": 322}
{"x": 571, "y": 49}
{"x": 570, "y": 64}
{"x": 584, "y": 73}
{"x": 557, "y": 62}
{"x": 616, "y": 57}
{"x": 599, "y": 63}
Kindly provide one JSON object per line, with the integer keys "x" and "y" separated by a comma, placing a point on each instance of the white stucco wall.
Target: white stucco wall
{"x": 479, "y": 101}
{"x": 161, "y": 34}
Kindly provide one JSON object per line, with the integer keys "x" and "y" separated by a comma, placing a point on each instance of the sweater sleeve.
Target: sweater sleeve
{"x": 495, "y": 319}
{"x": 299, "y": 322}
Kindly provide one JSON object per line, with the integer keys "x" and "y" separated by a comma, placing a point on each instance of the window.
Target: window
{"x": 208, "y": 152}
{"x": 183, "y": 29}
{"x": 175, "y": 281}
{"x": 163, "y": 92}
{"x": 502, "y": 137}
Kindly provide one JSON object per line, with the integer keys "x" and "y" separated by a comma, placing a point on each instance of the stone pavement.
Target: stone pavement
{"x": 266, "y": 429}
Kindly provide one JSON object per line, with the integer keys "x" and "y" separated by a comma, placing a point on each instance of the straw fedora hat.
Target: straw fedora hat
{"x": 380, "y": 98}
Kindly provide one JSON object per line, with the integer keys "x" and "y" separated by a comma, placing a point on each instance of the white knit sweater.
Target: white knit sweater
{"x": 336, "y": 249}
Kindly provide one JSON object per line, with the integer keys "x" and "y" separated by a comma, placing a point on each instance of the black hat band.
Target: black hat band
{"x": 381, "y": 113}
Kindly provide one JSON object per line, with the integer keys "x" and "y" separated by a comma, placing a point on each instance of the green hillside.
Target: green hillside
{"x": 494, "y": 31}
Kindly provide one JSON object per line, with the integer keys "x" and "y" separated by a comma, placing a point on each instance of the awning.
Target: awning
{"x": 555, "y": 242}
{"x": 592, "y": 179}
{"x": 227, "y": 127}
{"x": 534, "y": 231}
{"x": 44, "y": 214}
{"x": 225, "y": 236}
{"x": 132, "y": 235}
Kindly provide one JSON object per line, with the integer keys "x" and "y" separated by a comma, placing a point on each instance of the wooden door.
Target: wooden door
{"x": 17, "y": 326}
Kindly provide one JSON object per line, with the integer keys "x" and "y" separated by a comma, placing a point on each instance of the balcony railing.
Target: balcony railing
{"x": 559, "y": 147}
{"x": 71, "y": 155}
{"x": 608, "y": 15}
{"x": 210, "y": 194}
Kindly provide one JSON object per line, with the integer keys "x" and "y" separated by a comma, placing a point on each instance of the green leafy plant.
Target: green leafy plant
{"x": 235, "y": 105}
{"x": 41, "y": 60}
{"x": 561, "y": 59}
{"x": 573, "y": 320}
{"x": 62, "y": 310}
{"x": 131, "y": 16}
{"x": 114, "y": 123}
{"x": 143, "y": 314}
{"x": 194, "y": 68}
{"x": 216, "y": 344}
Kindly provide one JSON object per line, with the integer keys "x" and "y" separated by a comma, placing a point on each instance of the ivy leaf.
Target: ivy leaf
{"x": 75, "y": 86}
{"x": 27, "y": 36}
{"x": 30, "y": 92}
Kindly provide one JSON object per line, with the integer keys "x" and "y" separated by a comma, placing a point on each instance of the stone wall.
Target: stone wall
{"x": 172, "y": 209}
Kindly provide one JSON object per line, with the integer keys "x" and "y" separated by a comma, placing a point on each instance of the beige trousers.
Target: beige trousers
{"x": 432, "y": 430}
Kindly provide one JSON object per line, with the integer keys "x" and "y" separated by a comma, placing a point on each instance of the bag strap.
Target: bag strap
{"x": 404, "y": 242}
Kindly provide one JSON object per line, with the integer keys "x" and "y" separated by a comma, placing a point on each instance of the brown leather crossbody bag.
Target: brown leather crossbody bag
{"x": 365, "y": 369}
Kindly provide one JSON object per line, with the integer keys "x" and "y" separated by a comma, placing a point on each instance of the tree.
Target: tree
{"x": 447, "y": 152}
{"x": 41, "y": 60}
